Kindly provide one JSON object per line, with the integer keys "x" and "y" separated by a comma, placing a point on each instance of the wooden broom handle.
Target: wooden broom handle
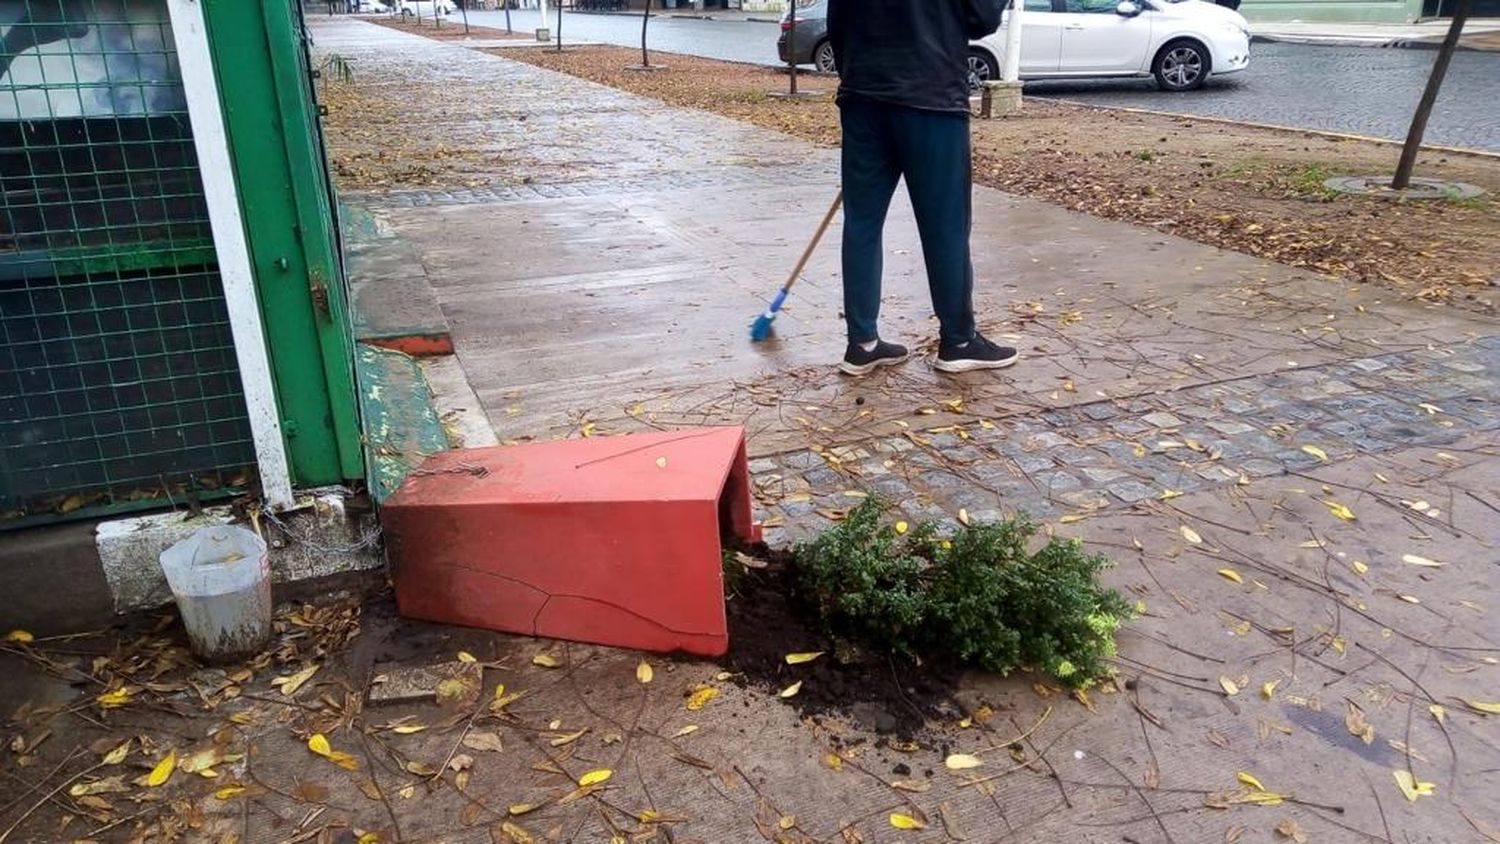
{"x": 838, "y": 199}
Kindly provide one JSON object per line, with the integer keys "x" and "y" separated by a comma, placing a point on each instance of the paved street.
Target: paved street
{"x": 1363, "y": 90}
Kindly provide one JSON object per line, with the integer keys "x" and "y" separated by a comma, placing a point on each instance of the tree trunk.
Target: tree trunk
{"x": 645, "y": 19}
{"x": 791, "y": 43}
{"x": 1429, "y": 98}
{"x": 559, "y": 25}
{"x": 465, "y": 9}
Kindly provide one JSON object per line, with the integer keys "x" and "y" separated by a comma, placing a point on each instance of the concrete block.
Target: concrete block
{"x": 322, "y": 538}
{"x": 1000, "y": 99}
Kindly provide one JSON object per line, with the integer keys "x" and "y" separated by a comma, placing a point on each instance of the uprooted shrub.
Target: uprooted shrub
{"x": 986, "y": 596}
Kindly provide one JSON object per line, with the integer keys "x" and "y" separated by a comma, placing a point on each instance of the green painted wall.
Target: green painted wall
{"x": 1332, "y": 11}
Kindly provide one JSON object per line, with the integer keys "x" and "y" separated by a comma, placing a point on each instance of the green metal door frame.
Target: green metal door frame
{"x": 272, "y": 125}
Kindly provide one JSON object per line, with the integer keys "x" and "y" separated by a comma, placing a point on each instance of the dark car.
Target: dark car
{"x": 807, "y": 41}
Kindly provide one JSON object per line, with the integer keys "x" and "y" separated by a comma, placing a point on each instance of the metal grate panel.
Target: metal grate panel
{"x": 118, "y": 380}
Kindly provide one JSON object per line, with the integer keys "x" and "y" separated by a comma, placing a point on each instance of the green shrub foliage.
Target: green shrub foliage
{"x": 984, "y": 597}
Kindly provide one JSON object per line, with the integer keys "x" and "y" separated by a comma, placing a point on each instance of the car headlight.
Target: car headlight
{"x": 1234, "y": 28}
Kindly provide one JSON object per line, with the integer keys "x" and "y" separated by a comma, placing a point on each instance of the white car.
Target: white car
{"x": 1180, "y": 42}
{"x": 372, "y": 7}
{"x": 424, "y": 8}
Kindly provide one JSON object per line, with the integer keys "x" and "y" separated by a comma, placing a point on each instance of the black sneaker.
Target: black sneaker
{"x": 978, "y": 353}
{"x": 857, "y": 361}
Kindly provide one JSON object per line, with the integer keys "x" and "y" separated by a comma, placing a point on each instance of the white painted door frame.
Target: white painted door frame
{"x": 236, "y": 272}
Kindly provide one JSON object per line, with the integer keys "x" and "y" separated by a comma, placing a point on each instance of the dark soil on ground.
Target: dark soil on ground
{"x": 884, "y": 693}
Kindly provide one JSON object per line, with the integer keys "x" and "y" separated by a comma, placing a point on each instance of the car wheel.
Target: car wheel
{"x": 1181, "y": 66}
{"x": 982, "y": 68}
{"x": 823, "y": 57}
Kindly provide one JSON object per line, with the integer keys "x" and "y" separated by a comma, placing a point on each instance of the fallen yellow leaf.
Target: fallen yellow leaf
{"x": 116, "y": 756}
{"x": 163, "y": 770}
{"x": 516, "y": 834}
{"x": 962, "y": 761}
{"x": 318, "y": 744}
{"x": 688, "y": 730}
{"x": 700, "y": 697}
{"x": 643, "y": 672}
{"x": 1340, "y": 510}
{"x": 1268, "y": 689}
{"x": 1418, "y": 560}
{"x": 465, "y": 656}
{"x": 1438, "y": 711}
{"x": 1231, "y": 574}
{"x": 545, "y": 661}
{"x": 963, "y": 516}
{"x": 408, "y": 729}
{"x": 1258, "y": 797}
{"x": 521, "y": 808}
{"x": 1190, "y": 535}
{"x": 228, "y": 791}
{"x": 1482, "y": 706}
{"x": 595, "y": 777}
{"x": 1410, "y": 599}
{"x": 901, "y": 821}
{"x": 114, "y": 699}
{"x": 1250, "y": 780}
{"x": 1411, "y": 787}
{"x": 792, "y": 690}
{"x": 1231, "y": 688}
{"x": 20, "y": 637}
{"x": 1359, "y": 567}
{"x": 902, "y": 528}
{"x": 568, "y": 738}
{"x": 1316, "y": 452}
{"x": 799, "y": 658}
{"x": 292, "y": 682}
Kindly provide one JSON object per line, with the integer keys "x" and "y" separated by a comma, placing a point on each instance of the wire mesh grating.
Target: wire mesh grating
{"x": 118, "y": 379}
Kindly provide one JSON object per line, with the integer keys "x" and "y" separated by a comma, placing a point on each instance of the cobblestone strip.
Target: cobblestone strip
{"x": 669, "y": 180}
{"x": 1117, "y": 453}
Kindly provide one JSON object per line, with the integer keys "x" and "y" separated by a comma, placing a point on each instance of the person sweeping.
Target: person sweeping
{"x": 904, "y": 104}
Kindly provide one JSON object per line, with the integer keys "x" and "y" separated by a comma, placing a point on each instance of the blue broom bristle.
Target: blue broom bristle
{"x": 761, "y": 329}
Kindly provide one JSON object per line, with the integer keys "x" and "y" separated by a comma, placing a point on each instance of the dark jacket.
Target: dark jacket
{"x": 908, "y": 52}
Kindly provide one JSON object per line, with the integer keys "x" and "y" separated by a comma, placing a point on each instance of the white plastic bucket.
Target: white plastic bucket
{"x": 221, "y": 578}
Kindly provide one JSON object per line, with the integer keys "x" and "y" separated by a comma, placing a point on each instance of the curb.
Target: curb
{"x": 1350, "y": 41}
{"x": 1322, "y": 133}
{"x": 383, "y": 269}
{"x": 402, "y": 428}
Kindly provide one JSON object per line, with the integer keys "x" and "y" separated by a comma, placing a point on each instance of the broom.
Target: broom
{"x": 761, "y": 329}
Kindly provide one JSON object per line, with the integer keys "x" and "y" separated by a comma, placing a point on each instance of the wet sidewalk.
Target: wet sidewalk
{"x": 1297, "y": 478}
